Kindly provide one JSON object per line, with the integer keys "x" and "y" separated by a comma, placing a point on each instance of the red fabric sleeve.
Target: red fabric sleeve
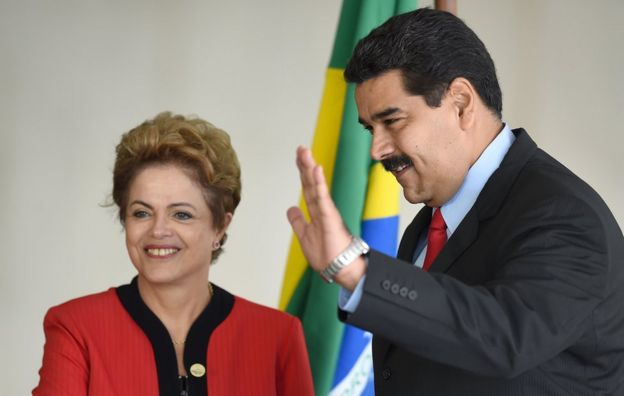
{"x": 65, "y": 367}
{"x": 294, "y": 376}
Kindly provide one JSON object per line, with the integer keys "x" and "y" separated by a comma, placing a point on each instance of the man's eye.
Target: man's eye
{"x": 183, "y": 216}
{"x": 390, "y": 121}
{"x": 140, "y": 214}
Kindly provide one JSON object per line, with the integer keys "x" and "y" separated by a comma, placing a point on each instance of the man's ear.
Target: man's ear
{"x": 463, "y": 96}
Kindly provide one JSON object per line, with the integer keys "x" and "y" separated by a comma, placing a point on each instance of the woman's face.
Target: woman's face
{"x": 170, "y": 235}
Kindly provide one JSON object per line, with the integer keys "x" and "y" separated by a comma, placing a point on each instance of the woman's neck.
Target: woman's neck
{"x": 176, "y": 305}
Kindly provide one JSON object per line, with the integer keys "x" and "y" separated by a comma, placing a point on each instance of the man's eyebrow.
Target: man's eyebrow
{"x": 382, "y": 114}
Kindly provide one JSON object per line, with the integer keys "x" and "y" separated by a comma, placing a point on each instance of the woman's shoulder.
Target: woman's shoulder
{"x": 92, "y": 305}
{"x": 254, "y": 311}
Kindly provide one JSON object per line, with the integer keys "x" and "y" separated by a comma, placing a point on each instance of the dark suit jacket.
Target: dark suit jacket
{"x": 526, "y": 298}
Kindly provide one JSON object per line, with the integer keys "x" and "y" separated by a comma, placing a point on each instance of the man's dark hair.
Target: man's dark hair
{"x": 431, "y": 48}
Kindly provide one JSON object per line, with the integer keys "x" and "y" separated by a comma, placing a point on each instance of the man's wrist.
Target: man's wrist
{"x": 343, "y": 261}
{"x": 350, "y": 276}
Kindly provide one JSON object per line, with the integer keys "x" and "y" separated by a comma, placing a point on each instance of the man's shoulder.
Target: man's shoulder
{"x": 546, "y": 176}
{"x": 536, "y": 173}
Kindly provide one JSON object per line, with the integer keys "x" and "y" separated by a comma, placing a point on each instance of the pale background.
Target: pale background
{"x": 75, "y": 75}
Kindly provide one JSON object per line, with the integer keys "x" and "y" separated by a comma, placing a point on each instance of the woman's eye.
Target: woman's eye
{"x": 183, "y": 216}
{"x": 140, "y": 214}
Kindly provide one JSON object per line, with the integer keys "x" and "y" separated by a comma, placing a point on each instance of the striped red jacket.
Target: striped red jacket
{"x": 110, "y": 343}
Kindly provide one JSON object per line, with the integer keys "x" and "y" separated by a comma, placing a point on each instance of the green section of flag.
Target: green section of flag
{"x": 352, "y": 166}
{"x": 357, "y": 19}
{"x": 403, "y": 6}
{"x": 353, "y": 159}
{"x": 314, "y": 301}
{"x": 345, "y": 34}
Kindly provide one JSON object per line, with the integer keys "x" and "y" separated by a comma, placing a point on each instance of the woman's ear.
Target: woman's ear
{"x": 227, "y": 219}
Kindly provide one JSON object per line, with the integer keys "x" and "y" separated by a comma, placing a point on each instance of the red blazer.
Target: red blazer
{"x": 110, "y": 343}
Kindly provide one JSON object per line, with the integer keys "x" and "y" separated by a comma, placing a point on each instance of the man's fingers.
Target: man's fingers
{"x": 324, "y": 235}
{"x": 326, "y": 208}
{"x": 316, "y": 192}
{"x": 322, "y": 192}
{"x": 307, "y": 166}
{"x": 297, "y": 221}
{"x": 304, "y": 154}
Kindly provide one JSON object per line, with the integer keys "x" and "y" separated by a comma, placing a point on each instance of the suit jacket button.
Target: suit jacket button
{"x": 394, "y": 288}
{"x": 385, "y": 284}
{"x": 403, "y": 292}
{"x": 386, "y": 374}
{"x": 412, "y": 295}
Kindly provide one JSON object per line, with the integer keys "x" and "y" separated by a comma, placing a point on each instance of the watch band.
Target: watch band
{"x": 356, "y": 248}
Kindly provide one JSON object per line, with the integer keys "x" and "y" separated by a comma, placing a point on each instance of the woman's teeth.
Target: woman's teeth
{"x": 161, "y": 252}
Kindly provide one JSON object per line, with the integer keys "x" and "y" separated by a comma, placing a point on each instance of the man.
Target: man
{"x": 516, "y": 286}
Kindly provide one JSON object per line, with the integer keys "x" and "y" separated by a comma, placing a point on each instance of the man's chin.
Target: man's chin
{"x": 415, "y": 197}
{"x": 412, "y": 197}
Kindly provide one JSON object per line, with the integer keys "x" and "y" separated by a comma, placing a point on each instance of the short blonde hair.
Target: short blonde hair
{"x": 197, "y": 146}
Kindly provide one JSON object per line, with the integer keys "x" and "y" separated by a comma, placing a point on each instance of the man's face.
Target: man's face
{"x": 423, "y": 147}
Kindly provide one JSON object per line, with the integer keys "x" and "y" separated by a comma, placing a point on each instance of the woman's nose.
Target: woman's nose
{"x": 160, "y": 227}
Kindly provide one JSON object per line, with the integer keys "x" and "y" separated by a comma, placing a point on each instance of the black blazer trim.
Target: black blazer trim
{"x": 195, "y": 347}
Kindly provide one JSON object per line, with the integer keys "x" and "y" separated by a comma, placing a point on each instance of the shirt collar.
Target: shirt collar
{"x": 458, "y": 206}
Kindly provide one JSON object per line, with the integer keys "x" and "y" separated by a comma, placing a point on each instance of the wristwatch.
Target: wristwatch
{"x": 356, "y": 248}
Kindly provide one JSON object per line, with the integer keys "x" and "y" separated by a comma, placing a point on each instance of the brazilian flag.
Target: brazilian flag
{"x": 368, "y": 200}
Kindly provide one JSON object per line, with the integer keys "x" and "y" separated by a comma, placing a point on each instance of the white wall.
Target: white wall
{"x": 75, "y": 75}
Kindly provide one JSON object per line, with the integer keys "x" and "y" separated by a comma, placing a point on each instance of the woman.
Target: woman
{"x": 176, "y": 184}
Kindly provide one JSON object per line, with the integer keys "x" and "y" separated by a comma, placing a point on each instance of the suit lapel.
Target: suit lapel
{"x": 497, "y": 188}
{"x": 461, "y": 239}
{"x": 488, "y": 202}
{"x": 412, "y": 234}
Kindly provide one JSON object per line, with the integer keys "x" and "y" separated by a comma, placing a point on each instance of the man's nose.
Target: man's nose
{"x": 380, "y": 146}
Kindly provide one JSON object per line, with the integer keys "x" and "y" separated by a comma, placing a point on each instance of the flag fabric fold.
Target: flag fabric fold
{"x": 368, "y": 200}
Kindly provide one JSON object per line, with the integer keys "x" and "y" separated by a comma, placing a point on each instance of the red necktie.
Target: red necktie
{"x": 435, "y": 239}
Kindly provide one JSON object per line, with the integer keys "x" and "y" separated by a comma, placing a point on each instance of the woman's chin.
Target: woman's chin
{"x": 159, "y": 276}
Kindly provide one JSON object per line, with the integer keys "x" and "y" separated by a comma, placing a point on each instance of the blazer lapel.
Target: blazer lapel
{"x": 497, "y": 187}
{"x": 488, "y": 202}
{"x": 453, "y": 248}
{"x": 412, "y": 234}
{"x": 461, "y": 239}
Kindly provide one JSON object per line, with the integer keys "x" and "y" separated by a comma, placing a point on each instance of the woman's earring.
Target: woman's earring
{"x": 216, "y": 245}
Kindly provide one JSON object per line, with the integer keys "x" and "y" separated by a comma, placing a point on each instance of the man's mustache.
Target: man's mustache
{"x": 396, "y": 162}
